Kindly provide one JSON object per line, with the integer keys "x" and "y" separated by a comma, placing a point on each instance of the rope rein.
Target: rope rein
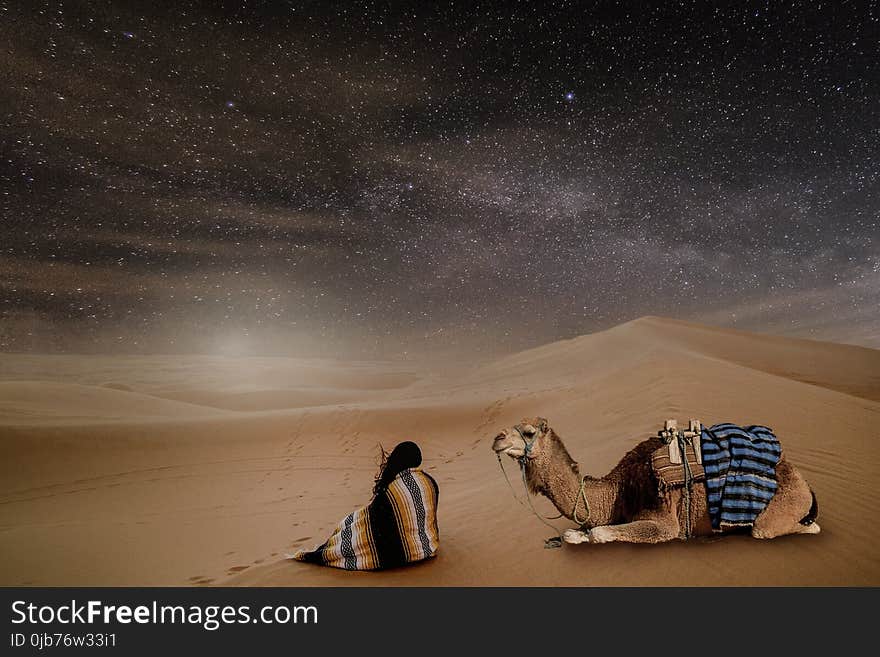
{"x": 513, "y": 492}
{"x": 582, "y": 495}
{"x": 554, "y": 541}
{"x": 688, "y": 481}
{"x": 507, "y": 479}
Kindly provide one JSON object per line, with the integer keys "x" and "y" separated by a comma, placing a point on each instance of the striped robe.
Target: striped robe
{"x": 740, "y": 465}
{"x": 397, "y": 527}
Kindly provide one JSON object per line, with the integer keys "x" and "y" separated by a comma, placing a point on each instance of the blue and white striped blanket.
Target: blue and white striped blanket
{"x": 740, "y": 465}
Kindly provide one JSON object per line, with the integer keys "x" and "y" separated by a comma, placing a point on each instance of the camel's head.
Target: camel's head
{"x": 537, "y": 447}
{"x": 524, "y": 439}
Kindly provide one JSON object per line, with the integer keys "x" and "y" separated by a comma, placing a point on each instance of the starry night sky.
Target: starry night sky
{"x": 376, "y": 179}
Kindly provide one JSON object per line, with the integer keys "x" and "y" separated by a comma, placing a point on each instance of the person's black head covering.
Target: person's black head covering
{"x": 406, "y": 455}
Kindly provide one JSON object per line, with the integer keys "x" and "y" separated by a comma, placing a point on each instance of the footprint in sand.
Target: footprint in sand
{"x": 490, "y": 415}
{"x": 237, "y": 569}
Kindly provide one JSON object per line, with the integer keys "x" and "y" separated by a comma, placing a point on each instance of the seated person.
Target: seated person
{"x": 397, "y": 527}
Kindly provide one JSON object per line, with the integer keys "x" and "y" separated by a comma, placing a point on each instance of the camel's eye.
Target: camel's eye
{"x": 529, "y": 431}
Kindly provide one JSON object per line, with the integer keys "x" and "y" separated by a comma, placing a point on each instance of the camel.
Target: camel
{"x": 627, "y": 505}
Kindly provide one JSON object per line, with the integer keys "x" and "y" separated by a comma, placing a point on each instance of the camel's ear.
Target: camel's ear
{"x": 542, "y": 424}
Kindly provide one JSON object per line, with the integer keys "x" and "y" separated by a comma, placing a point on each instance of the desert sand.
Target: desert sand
{"x": 205, "y": 470}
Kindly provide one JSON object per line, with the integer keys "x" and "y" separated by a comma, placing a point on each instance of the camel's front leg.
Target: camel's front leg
{"x": 638, "y": 531}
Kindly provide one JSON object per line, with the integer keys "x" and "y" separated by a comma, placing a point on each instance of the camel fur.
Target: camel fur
{"x": 627, "y": 505}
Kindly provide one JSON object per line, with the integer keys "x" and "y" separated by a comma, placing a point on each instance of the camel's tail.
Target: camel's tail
{"x": 813, "y": 513}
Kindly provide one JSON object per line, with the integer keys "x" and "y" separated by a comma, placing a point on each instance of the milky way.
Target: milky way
{"x": 316, "y": 178}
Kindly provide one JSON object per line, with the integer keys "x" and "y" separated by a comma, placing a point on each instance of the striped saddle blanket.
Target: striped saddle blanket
{"x": 740, "y": 466}
{"x": 397, "y": 527}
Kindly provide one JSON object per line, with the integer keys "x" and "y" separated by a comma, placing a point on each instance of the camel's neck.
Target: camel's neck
{"x": 562, "y": 486}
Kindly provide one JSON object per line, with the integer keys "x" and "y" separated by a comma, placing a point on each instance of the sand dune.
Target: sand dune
{"x": 201, "y": 471}
{"x": 40, "y": 402}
